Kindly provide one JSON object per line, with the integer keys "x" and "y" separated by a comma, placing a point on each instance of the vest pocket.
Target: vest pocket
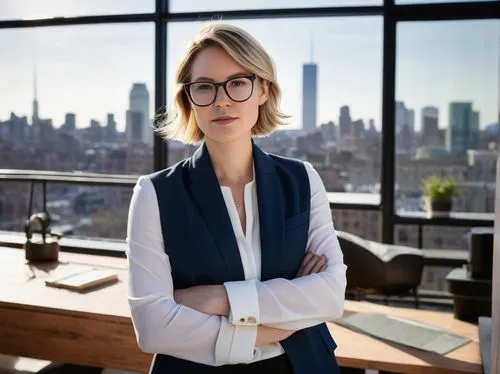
{"x": 327, "y": 337}
{"x": 297, "y": 220}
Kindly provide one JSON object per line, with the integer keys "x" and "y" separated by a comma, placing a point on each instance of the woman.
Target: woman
{"x": 233, "y": 259}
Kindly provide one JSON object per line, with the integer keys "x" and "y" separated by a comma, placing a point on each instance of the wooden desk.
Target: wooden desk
{"x": 59, "y": 325}
{"x": 95, "y": 328}
{"x": 362, "y": 351}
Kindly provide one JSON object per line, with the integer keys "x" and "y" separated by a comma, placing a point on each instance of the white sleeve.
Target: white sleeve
{"x": 301, "y": 302}
{"x": 161, "y": 325}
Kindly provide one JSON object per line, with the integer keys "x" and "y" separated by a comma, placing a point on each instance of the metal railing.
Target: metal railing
{"x": 337, "y": 200}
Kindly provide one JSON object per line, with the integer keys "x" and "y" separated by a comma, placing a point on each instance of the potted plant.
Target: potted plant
{"x": 438, "y": 194}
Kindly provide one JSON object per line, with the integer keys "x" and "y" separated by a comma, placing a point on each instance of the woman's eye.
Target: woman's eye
{"x": 238, "y": 83}
{"x": 204, "y": 87}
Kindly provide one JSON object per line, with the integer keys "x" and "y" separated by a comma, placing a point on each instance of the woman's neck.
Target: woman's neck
{"x": 233, "y": 161}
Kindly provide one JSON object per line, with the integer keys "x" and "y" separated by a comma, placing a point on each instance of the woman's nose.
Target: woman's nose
{"x": 221, "y": 97}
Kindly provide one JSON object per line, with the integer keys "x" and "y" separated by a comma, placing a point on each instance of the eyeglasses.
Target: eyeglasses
{"x": 204, "y": 93}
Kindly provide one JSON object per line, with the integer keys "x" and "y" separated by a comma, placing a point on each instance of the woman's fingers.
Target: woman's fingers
{"x": 311, "y": 264}
{"x": 318, "y": 266}
{"x": 308, "y": 256}
{"x": 314, "y": 265}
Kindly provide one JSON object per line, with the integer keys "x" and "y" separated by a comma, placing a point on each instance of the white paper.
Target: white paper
{"x": 411, "y": 333}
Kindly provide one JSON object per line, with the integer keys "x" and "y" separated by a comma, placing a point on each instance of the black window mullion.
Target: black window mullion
{"x": 388, "y": 116}
{"x": 446, "y": 11}
{"x": 160, "y": 147}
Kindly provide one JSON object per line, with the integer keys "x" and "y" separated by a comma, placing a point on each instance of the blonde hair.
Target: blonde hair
{"x": 248, "y": 53}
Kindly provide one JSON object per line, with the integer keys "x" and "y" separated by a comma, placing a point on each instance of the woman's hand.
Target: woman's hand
{"x": 269, "y": 335}
{"x": 211, "y": 300}
{"x": 312, "y": 264}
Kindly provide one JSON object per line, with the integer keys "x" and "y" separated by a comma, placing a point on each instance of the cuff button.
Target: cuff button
{"x": 242, "y": 320}
{"x": 252, "y": 320}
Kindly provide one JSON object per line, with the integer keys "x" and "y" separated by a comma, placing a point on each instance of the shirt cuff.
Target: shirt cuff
{"x": 243, "y": 303}
{"x": 243, "y": 347}
{"x": 235, "y": 344}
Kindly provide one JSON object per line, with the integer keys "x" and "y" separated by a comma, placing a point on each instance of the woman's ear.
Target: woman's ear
{"x": 264, "y": 92}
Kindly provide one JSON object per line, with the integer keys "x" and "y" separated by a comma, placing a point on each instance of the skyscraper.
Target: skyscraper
{"x": 35, "y": 117}
{"x": 463, "y": 128}
{"x": 309, "y": 93}
{"x": 345, "y": 122}
{"x": 41, "y": 129}
{"x": 110, "y": 123}
{"x": 309, "y": 96}
{"x": 430, "y": 129}
{"x": 70, "y": 121}
{"x": 358, "y": 128}
{"x": 404, "y": 117}
{"x": 110, "y": 127}
{"x": 405, "y": 129}
{"x": 134, "y": 127}
{"x": 139, "y": 103}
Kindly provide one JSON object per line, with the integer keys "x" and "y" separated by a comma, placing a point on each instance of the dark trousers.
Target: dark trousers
{"x": 275, "y": 365}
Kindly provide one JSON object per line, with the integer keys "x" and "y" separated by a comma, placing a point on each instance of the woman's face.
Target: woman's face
{"x": 224, "y": 120}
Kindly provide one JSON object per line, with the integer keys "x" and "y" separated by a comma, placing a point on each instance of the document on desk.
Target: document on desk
{"x": 411, "y": 333}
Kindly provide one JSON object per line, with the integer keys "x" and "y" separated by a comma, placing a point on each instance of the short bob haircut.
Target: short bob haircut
{"x": 248, "y": 53}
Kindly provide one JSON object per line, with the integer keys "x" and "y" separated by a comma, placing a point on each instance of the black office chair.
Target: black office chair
{"x": 380, "y": 268}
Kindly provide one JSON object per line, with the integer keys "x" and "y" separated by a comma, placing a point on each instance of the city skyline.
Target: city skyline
{"x": 338, "y": 123}
{"x": 341, "y": 125}
{"x": 113, "y": 57}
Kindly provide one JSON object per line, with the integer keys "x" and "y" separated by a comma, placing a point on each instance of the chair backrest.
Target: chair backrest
{"x": 364, "y": 268}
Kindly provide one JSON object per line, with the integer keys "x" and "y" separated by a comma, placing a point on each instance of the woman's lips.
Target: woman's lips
{"x": 224, "y": 120}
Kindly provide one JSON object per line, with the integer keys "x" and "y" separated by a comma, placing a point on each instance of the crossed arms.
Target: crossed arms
{"x": 202, "y": 323}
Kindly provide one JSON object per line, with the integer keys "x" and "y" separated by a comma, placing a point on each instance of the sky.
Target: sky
{"x": 90, "y": 69}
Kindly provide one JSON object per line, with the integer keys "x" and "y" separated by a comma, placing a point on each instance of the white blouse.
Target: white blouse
{"x": 163, "y": 326}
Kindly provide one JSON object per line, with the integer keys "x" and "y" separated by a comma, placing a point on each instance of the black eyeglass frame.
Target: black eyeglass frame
{"x": 223, "y": 84}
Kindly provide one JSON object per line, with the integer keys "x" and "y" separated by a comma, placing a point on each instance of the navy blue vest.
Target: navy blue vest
{"x": 202, "y": 248}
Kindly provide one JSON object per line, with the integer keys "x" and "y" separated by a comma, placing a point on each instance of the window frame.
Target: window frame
{"x": 391, "y": 14}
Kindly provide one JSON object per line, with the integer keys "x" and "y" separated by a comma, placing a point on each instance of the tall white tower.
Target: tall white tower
{"x": 309, "y": 93}
{"x": 35, "y": 117}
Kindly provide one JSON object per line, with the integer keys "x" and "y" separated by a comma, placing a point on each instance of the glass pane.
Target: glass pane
{"x": 201, "y": 6}
{"x": 14, "y": 197}
{"x": 449, "y": 244}
{"x": 446, "y": 237}
{"x": 329, "y": 71}
{"x": 75, "y": 210}
{"x": 447, "y": 96}
{"x": 434, "y": 237}
{"x": 77, "y": 98}
{"x": 33, "y": 9}
{"x": 364, "y": 223}
{"x": 434, "y": 278}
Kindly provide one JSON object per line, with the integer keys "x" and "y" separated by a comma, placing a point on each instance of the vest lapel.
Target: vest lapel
{"x": 271, "y": 213}
{"x": 208, "y": 196}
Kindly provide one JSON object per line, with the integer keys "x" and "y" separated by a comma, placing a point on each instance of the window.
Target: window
{"x": 82, "y": 98}
{"x": 336, "y": 119}
{"x": 77, "y": 98}
{"x": 447, "y": 98}
{"x": 200, "y": 5}
{"x": 31, "y": 9}
{"x": 75, "y": 210}
{"x": 363, "y": 223}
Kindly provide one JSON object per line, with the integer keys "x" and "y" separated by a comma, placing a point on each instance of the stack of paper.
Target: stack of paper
{"x": 403, "y": 331}
{"x": 80, "y": 278}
